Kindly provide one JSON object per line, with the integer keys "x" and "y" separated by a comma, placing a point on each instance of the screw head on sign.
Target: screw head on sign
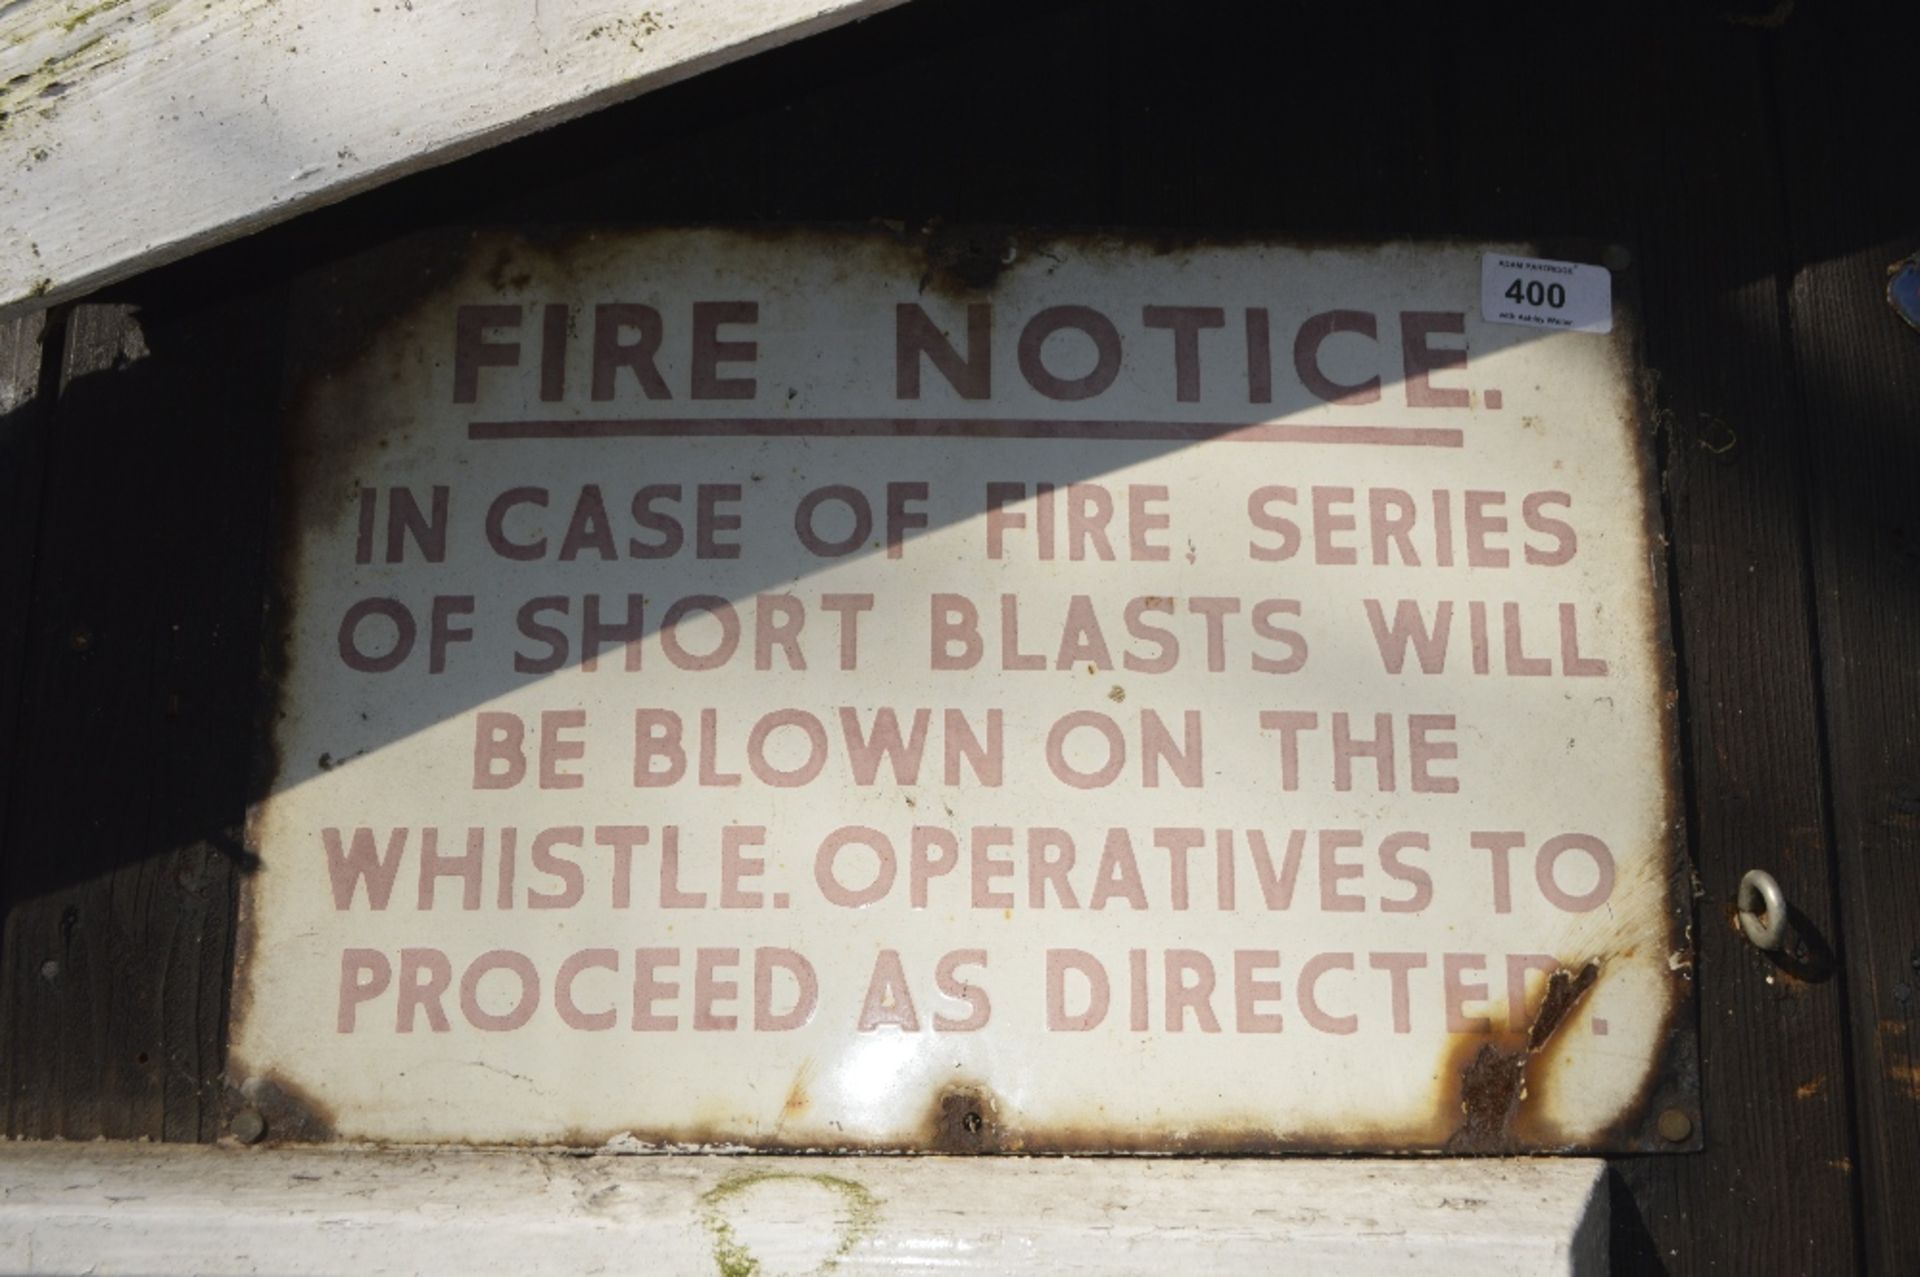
{"x": 1675, "y": 1126}
{"x": 249, "y": 1127}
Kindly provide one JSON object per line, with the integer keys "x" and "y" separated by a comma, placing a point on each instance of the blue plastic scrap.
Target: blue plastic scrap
{"x": 1903, "y": 289}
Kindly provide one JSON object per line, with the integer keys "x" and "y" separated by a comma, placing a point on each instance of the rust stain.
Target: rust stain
{"x": 355, "y": 306}
{"x": 246, "y": 936}
{"x": 292, "y": 1114}
{"x": 966, "y": 261}
{"x": 496, "y": 274}
{"x": 798, "y": 1100}
{"x": 1676, "y": 1076}
{"x": 1807, "y": 1090}
{"x": 1494, "y": 1073}
{"x": 1564, "y": 990}
{"x": 964, "y": 1119}
{"x": 1905, "y": 1076}
{"x": 1730, "y": 912}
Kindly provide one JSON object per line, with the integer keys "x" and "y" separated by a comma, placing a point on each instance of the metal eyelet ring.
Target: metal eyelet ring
{"x": 1766, "y": 929}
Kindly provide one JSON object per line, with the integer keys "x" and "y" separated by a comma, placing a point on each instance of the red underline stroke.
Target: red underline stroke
{"x": 965, "y": 428}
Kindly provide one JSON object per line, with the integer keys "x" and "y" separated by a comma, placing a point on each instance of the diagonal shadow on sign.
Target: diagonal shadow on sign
{"x": 586, "y": 528}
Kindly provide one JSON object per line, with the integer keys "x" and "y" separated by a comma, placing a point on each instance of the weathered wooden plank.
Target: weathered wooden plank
{"x": 1272, "y": 121}
{"x": 837, "y": 146}
{"x": 21, "y": 433}
{"x": 22, "y": 436}
{"x": 116, "y": 1209}
{"x": 1652, "y": 133}
{"x": 1844, "y": 73}
{"x": 1711, "y": 241}
{"x": 51, "y": 961}
{"x": 133, "y": 132}
{"x": 141, "y": 656}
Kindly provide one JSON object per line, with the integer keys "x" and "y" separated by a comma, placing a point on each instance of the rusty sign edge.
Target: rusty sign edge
{"x": 964, "y": 1118}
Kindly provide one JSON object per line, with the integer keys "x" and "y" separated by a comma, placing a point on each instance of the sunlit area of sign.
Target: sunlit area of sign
{"x": 755, "y": 691}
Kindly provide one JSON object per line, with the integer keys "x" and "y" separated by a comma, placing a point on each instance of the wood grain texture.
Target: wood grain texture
{"x": 1654, "y": 135}
{"x": 20, "y": 361}
{"x": 1713, "y": 251}
{"x": 22, "y": 436}
{"x": 133, "y": 132}
{"x": 132, "y": 773}
{"x": 1854, "y": 205}
{"x": 218, "y": 1211}
{"x": 23, "y": 420}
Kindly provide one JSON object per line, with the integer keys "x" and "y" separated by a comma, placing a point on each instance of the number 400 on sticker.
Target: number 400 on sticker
{"x": 1537, "y": 293}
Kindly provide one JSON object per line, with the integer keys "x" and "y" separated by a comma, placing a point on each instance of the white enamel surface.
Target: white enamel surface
{"x": 1539, "y": 755}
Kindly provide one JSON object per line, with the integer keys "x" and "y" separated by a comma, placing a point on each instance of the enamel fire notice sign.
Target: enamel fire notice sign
{"x": 881, "y": 690}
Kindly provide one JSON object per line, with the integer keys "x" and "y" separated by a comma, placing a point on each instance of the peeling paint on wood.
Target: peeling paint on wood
{"x": 127, "y": 1209}
{"x": 134, "y": 132}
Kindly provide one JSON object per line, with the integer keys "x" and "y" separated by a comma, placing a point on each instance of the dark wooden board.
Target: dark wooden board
{"x": 22, "y": 434}
{"x": 1654, "y": 134}
{"x": 1775, "y": 1193}
{"x": 23, "y": 416}
{"x": 132, "y": 750}
{"x": 1853, "y": 196}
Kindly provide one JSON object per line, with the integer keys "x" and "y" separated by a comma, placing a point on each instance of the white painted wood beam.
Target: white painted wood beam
{"x": 107, "y": 1209}
{"x": 135, "y": 132}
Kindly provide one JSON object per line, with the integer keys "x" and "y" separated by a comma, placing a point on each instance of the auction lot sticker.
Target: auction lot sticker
{"x": 857, "y": 690}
